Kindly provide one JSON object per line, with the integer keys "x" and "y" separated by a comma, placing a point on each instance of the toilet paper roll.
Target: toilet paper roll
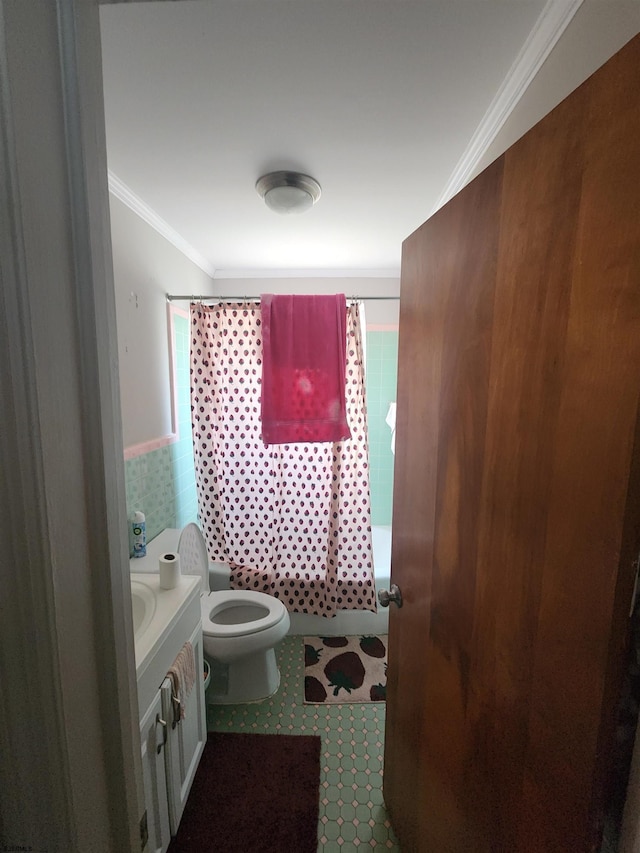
{"x": 169, "y": 568}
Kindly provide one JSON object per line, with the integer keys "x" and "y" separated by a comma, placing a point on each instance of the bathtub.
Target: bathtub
{"x": 346, "y": 622}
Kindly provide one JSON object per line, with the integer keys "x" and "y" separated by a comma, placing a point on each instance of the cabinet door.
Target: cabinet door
{"x": 152, "y": 735}
{"x": 186, "y": 737}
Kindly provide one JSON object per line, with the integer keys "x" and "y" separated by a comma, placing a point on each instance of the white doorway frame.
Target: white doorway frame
{"x": 70, "y": 776}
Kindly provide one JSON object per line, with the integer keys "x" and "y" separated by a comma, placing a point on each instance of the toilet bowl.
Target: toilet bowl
{"x": 240, "y": 629}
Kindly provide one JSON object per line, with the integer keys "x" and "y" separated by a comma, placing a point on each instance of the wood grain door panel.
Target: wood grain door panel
{"x": 516, "y": 497}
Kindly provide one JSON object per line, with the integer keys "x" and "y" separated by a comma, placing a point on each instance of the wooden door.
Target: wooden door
{"x": 517, "y": 500}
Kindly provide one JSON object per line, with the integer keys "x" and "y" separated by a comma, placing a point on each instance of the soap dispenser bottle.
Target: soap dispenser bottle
{"x": 139, "y": 531}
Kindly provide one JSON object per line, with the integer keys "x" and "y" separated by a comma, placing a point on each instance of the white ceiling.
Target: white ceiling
{"x": 392, "y": 105}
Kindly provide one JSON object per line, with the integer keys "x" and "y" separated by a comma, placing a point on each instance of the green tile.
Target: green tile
{"x": 332, "y": 810}
{"x": 333, "y": 777}
{"x": 359, "y": 751}
{"x": 343, "y": 765}
{"x": 332, "y": 762}
{"x": 131, "y": 470}
{"x": 348, "y": 832}
{"x": 332, "y": 831}
{"x": 347, "y": 762}
{"x": 375, "y": 795}
{"x": 347, "y": 812}
{"x": 363, "y": 813}
{"x": 361, "y": 795}
{"x": 363, "y": 832}
{"x": 333, "y": 748}
{"x": 380, "y": 832}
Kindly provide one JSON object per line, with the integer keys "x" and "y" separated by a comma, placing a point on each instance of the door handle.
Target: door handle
{"x": 385, "y": 596}
{"x": 163, "y": 723}
{"x": 176, "y": 710}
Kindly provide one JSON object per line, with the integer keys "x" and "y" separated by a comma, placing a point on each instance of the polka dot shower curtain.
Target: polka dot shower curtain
{"x": 291, "y": 520}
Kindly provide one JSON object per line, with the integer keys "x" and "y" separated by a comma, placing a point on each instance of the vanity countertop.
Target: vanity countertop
{"x": 170, "y": 604}
{"x": 163, "y": 542}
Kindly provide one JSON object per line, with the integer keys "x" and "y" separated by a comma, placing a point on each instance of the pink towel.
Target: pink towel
{"x": 304, "y": 352}
{"x": 182, "y": 674}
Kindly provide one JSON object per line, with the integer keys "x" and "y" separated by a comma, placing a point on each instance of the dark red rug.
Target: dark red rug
{"x": 253, "y": 793}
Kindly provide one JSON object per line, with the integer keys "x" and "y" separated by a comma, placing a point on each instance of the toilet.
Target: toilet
{"x": 240, "y": 629}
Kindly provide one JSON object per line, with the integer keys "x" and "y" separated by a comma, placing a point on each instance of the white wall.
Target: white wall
{"x": 597, "y": 31}
{"x": 146, "y": 267}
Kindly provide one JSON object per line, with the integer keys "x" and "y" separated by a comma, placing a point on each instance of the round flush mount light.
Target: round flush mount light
{"x": 288, "y": 192}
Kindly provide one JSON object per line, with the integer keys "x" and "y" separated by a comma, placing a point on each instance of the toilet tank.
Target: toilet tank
{"x": 219, "y": 576}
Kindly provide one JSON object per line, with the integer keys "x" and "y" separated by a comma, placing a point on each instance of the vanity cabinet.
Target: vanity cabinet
{"x": 185, "y": 738}
{"x": 171, "y": 747}
{"x": 152, "y": 733}
{"x": 171, "y": 751}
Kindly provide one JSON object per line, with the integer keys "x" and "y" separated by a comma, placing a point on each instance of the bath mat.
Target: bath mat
{"x": 339, "y": 670}
{"x": 253, "y": 793}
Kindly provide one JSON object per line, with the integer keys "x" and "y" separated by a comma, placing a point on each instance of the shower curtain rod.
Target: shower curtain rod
{"x": 192, "y": 298}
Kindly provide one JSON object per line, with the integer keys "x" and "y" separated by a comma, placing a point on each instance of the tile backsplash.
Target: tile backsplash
{"x": 162, "y": 483}
{"x": 381, "y": 381}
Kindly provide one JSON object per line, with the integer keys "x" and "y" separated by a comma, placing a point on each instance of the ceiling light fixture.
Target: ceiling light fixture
{"x": 288, "y": 192}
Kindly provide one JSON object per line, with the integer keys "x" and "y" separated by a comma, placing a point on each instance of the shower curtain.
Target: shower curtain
{"x": 292, "y": 520}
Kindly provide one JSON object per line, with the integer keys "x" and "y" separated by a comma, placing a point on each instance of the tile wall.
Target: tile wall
{"x": 161, "y": 483}
{"x": 380, "y": 377}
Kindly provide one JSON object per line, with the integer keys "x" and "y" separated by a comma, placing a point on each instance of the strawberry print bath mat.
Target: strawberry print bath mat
{"x": 341, "y": 670}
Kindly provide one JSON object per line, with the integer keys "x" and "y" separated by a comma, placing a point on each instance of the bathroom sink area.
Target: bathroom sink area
{"x": 143, "y": 603}
{"x": 162, "y": 620}
{"x": 172, "y": 736}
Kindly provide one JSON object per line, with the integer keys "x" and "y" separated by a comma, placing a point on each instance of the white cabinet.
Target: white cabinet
{"x": 152, "y": 734}
{"x": 185, "y": 738}
{"x": 171, "y": 748}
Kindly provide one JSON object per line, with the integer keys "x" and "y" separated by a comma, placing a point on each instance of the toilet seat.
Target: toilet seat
{"x": 240, "y": 628}
{"x": 192, "y": 551}
{"x": 215, "y": 603}
{"x": 194, "y": 560}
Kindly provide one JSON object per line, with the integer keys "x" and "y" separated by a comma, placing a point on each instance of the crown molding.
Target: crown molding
{"x": 122, "y": 192}
{"x": 306, "y": 273}
{"x": 553, "y": 20}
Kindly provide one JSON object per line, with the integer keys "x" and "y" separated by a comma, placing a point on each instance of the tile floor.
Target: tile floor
{"x": 352, "y": 812}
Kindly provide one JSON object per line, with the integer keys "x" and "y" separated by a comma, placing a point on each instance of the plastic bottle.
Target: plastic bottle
{"x": 139, "y": 531}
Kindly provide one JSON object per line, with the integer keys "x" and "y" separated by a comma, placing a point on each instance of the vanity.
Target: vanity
{"x": 171, "y": 747}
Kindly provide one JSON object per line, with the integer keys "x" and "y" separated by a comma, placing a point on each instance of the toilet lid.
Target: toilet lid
{"x": 219, "y": 605}
{"x": 192, "y": 550}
